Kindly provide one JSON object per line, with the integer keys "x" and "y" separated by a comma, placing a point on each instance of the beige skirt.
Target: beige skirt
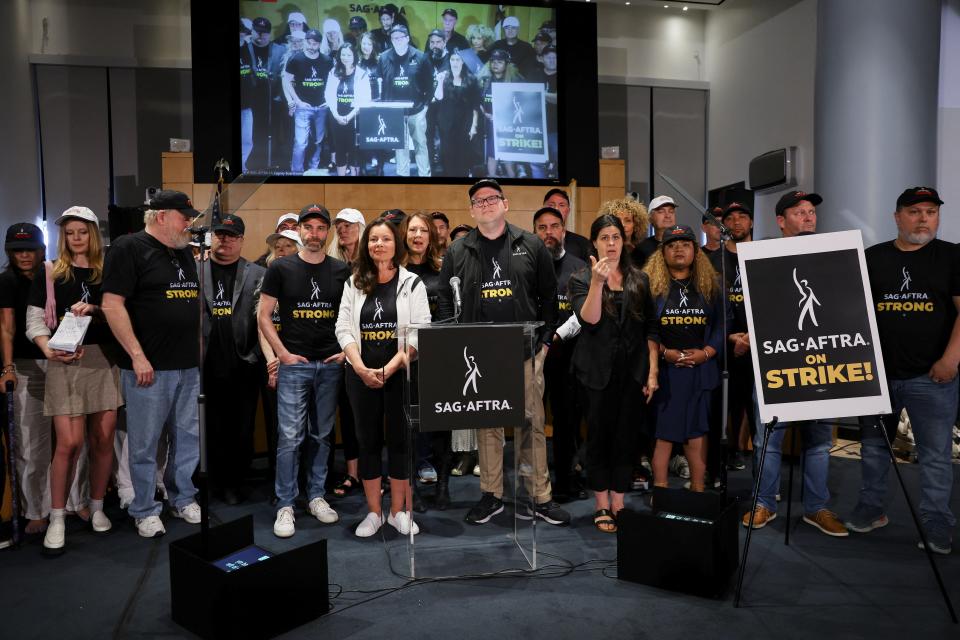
{"x": 90, "y": 385}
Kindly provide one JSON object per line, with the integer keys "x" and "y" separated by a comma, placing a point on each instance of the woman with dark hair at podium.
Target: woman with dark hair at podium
{"x": 687, "y": 298}
{"x": 616, "y": 362}
{"x": 379, "y": 298}
{"x": 458, "y": 96}
{"x": 348, "y": 89}
{"x": 423, "y": 259}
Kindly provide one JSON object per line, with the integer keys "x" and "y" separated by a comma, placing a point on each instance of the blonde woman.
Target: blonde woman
{"x": 82, "y": 390}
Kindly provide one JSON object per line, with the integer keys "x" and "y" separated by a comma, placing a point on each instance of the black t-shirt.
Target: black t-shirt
{"x": 646, "y": 248}
{"x": 734, "y": 290}
{"x": 431, "y": 279}
{"x": 577, "y": 245}
{"x": 913, "y": 292}
{"x": 309, "y": 76}
{"x": 522, "y": 54}
{"x": 496, "y": 287}
{"x": 564, "y": 268}
{"x": 309, "y": 299}
{"x": 683, "y": 320}
{"x": 14, "y": 294}
{"x": 345, "y": 94}
{"x": 457, "y": 42}
{"x": 161, "y": 289}
{"x": 222, "y": 350}
{"x": 378, "y": 325}
{"x": 67, "y": 294}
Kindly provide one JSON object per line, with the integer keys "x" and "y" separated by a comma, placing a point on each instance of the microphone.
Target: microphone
{"x": 457, "y": 300}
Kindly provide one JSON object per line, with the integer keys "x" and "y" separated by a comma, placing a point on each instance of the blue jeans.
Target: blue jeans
{"x": 817, "y": 440}
{"x": 304, "y": 389}
{"x": 932, "y": 408}
{"x": 168, "y": 405}
{"x": 303, "y": 120}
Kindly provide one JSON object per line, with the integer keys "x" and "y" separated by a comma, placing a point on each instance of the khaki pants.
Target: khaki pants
{"x": 531, "y": 442}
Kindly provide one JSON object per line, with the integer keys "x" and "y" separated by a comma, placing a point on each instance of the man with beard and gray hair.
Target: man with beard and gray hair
{"x": 560, "y": 384}
{"x": 150, "y": 300}
{"x": 915, "y": 280}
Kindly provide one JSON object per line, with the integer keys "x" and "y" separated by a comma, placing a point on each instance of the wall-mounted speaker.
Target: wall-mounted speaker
{"x": 774, "y": 170}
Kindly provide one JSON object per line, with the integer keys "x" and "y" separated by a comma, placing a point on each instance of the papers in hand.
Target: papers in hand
{"x": 70, "y": 333}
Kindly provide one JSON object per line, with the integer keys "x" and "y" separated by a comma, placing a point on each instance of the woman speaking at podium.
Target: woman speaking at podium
{"x": 616, "y": 362}
{"x": 379, "y": 298}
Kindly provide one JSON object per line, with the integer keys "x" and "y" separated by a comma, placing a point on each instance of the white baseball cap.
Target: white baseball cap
{"x": 296, "y": 16}
{"x": 350, "y": 215}
{"x": 289, "y": 234}
{"x": 287, "y": 216}
{"x": 659, "y": 201}
{"x": 79, "y": 213}
{"x": 512, "y": 21}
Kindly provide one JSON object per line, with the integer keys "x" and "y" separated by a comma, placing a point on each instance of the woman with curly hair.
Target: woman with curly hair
{"x": 633, "y": 215}
{"x": 688, "y": 305}
{"x": 616, "y": 361}
{"x": 481, "y": 38}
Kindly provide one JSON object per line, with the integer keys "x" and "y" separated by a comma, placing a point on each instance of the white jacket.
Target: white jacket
{"x": 412, "y": 308}
{"x": 361, "y": 89}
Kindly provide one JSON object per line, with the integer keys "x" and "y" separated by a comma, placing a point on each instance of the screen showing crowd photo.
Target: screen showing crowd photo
{"x": 420, "y": 89}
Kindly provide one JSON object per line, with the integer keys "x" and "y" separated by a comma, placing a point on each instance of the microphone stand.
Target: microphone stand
{"x": 725, "y": 373}
{"x": 203, "y": 482}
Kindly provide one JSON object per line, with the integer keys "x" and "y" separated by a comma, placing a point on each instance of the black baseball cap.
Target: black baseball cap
{"x": 500, "y": 54}
{"x": 399, "y": 28}
{"x": 489, "y": 183}
{"x": 262, "y": 25}
{"x": 314, "y": 211}
{"x": 230, "y": 224}
{"x": 396, "y": 216}
{"x": 545, "y": 210}
{"x": 794, "y": 198}
{"x": 388, "y": 8}
{"x": 24, "y": 236}
{"x": 460, "y": 228}
{"x": 436, "y": 32}
{"x": 678, "y": 232}
{"x": 177, "y": 200}
{"x": 916, "y": 195}
{"x": 440, "y": 215}
{"x": 356, "y": 22}
{"x": 716, "y": 211}
{"x": 449, "y": 11}
{"x": 314, "y": 35}
{"x": 736, "y": 206}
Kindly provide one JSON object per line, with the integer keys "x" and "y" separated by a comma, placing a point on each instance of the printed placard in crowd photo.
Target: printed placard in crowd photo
{"x": 813, "y": 332}
{"x": 519, "y": 122}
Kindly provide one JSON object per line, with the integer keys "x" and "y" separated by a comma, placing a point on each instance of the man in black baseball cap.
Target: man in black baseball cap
{"x": 710, "y": 230}
{"x": 915, "y": 280}
{"x": 314, "y": 211}
{"x": 797, "y": 213}
{"x": 24, "y": 236}
{"x": 231, "y": 372}
{"x": 169, "y": 200}
{"x": 357, "y": 27}
{"x": 454, "y": 40}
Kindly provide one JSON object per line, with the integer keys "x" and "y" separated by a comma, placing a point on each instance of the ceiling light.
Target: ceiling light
{"x": 685, "y": 8}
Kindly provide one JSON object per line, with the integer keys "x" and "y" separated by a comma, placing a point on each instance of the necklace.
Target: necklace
{"x": 684, "y": 285}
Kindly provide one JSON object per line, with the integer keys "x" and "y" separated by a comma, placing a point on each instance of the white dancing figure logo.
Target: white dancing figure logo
{"x": 379, "y": 309}
{"x": 683, "y": 298}
{"x": 315, "y": 292}
{"x": 517, "y": 111}
{"x": 473, "y": 372}
{"x": 84, "y": 292}
{"x": 314, "y": 74}
{"x": 219, "y": 290}
{"x": 736, "y": 281}
{"x": 906, "y": 280}
{"x": 807, "y": 300}
{"x": 496, "y": 269}
{"x": 383, "y": 125}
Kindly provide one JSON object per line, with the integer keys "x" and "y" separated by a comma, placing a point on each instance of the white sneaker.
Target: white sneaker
{"x": 190, "y": 513}
{"x": 680, "y": 466}
{"x": 100, "y": 522}
{"x": 55, "y": 537}
{"x": 370, "y": 525}
{"x": 323, "y": 511}
{"x": 150, "y": 527}
{"x": 403, "y": 523}
{"x": 126, "y": 497}
{"x": 284, "y": 527}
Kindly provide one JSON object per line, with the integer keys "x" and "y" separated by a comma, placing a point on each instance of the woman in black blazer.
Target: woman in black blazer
{"x": 616, "y": 362}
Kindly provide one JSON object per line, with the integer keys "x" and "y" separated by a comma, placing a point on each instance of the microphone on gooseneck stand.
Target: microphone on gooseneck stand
{"x": 457, "y": 300}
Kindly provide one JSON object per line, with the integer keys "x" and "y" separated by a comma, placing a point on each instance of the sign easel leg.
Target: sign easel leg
{"x": 768, "y": 431}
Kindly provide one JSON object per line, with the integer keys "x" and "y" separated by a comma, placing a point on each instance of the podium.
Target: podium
{"x": 472, "y": 376}
{"x": 380, "y": 126}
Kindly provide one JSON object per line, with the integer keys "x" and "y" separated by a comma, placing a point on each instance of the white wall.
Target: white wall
{"x": 647, "y": 43}
{"x": 760, "y": 62}
{"x": 948, "y": 133}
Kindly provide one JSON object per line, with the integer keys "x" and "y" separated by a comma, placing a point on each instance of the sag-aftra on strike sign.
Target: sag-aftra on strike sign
{"x": 813, "y": 333}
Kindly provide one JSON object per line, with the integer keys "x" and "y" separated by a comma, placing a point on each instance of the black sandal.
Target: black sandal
{"x": 346, "y": 486}
{"x": 604, "y": 521}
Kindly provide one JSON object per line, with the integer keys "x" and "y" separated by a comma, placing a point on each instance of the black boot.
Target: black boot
{"x": 442, "y": 495}
{"x": 418, "y": 504}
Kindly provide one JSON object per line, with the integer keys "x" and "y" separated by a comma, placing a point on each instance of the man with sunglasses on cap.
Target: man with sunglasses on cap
{"x": 521, "y": 53}
{"x": 307, "y": 286}
{"x": 915, "y": 280}
{"x": 797, "y": 215}
{"x": 151, "y": 302}
{"x": 408, "y": 77}
{"x": 507, "y": 275}
{"x": 710, "y": 230}
{"x": 232, "y": 364}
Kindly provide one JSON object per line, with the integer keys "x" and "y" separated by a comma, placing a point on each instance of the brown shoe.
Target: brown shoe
{"x": 762, "y": 517}
{"x": 828, "y": 522}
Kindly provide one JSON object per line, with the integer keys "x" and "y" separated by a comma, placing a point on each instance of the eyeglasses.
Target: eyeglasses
{"x": 482, "y": 202}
